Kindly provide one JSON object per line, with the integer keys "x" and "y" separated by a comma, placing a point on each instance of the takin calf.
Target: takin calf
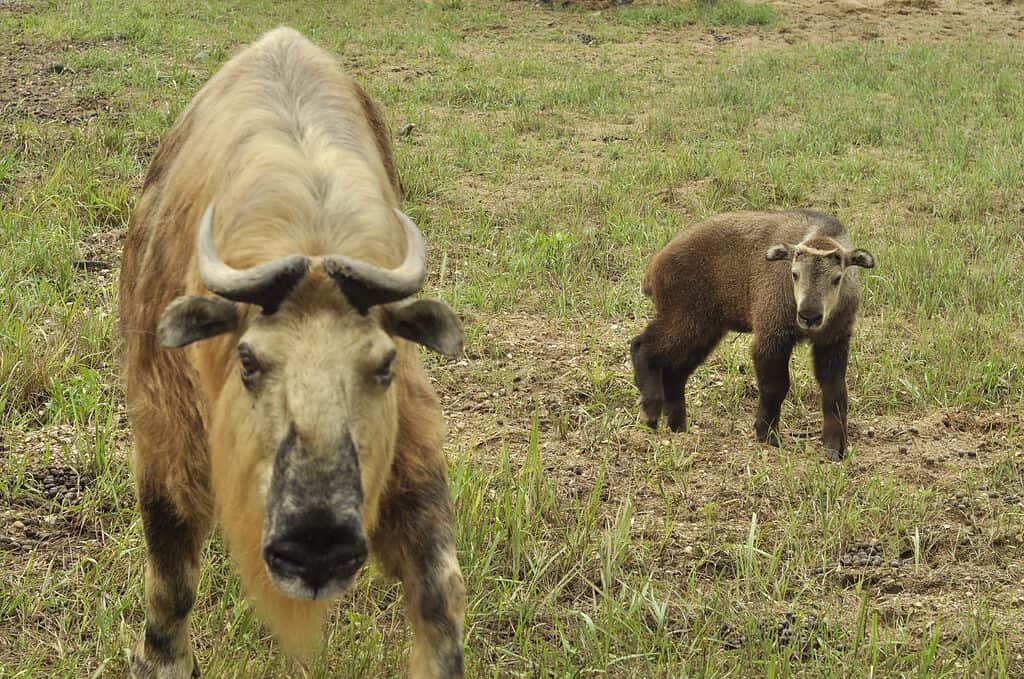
{"x": 720, "y": 275}
{"x": 270, "y": 369}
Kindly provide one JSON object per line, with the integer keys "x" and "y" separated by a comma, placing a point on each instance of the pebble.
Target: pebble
{"x": 903, "y": 450}
{"x": 914, "y": 430}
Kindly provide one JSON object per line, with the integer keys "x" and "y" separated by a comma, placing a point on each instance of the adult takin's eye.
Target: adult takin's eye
{"x": 796, "y": 276}
{"x": 251, "y": 368}
{"x": 383, "y": 374}
{"x": 836, "y": 280}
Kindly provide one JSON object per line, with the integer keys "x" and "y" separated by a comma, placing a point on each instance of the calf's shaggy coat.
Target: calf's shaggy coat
{"x": 290, "y": 406}
{"x": 724, "y": 274}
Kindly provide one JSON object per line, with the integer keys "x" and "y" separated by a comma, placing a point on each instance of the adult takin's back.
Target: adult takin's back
{"x": 725, "y": 274}
{"x": 271, "y": 376}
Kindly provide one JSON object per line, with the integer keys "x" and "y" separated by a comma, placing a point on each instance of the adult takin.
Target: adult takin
{"x": 725, "y": 274}
{"x": 272, "y": 378}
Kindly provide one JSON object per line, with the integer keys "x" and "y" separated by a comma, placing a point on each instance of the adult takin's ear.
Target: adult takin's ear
{"x": 192, "y": 318}
{"x": 429, "y": 322}
{"x": 779, "y": 252}
{"x": 861, "y": 258}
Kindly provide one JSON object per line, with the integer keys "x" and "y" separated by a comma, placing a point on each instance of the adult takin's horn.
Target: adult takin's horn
{"x": 366, "y": 285}
{"x": 266, "y": 285}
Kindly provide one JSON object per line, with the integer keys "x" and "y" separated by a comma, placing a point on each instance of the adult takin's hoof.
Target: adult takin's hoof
{"x": 141, "y": 667}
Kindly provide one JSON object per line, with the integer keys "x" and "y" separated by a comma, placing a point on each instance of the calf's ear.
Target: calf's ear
{"x": 429, "y": 322}
{"x": 861, "y": 258}
{"x": 779, "y": 252}
{"x": 192, "y": 318}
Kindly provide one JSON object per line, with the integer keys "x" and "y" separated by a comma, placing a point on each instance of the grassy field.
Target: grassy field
{"x": 554, "y": 149}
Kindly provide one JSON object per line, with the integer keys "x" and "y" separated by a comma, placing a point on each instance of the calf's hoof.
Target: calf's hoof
{"x": 676, "y": 424}
{"x": 835, "y": 454}
{"x": 771, "y": 437}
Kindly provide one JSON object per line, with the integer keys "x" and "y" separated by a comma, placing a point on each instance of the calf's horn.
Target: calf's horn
{"x": 266, "y": 285}
{"x": 366, "y": 285}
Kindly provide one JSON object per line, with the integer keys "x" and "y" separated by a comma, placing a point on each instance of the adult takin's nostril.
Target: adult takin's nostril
{"x": 811, "y": 319}
{"x": 317, "y": 554}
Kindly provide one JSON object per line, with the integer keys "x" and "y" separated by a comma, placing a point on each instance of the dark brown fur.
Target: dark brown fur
{"x": 714, "y": 278}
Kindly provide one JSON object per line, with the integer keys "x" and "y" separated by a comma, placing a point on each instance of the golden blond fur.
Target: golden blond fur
{"x": 297, "y": 158}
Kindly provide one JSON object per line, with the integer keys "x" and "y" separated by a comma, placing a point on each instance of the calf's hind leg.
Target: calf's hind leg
{"x": 415, "y": 541}
{"x": 647, "y": 377}
{"x": 674, "y": 378}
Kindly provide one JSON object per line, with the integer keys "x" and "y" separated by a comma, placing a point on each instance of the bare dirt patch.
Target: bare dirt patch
{"x": 806, "y": 22}
{"x": 902, "y": 20}
{"x": 36, "y": 84}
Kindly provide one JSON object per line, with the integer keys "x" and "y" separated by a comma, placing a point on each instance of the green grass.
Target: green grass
{"x": 708, "y": 12}
{"x": 544, "y": 172}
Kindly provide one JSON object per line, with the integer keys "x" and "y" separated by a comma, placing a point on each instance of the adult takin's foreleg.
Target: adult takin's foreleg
{"x": 415, "y": 542}
{"x": 830, "y": 370}
{"x": 174, "y": 539}
{"x": 771, "y": 363}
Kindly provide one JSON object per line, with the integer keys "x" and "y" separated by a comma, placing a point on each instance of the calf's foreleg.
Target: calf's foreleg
{"x": 771, "y": 363}
{"x": 830, "y": 370}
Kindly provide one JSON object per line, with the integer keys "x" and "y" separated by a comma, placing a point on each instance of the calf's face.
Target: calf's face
{"x": 818, "y": 270}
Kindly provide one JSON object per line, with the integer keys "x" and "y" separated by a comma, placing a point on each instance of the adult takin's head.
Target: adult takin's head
{"x": 819, "y": 266}
{"x": 304, "y": 410}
